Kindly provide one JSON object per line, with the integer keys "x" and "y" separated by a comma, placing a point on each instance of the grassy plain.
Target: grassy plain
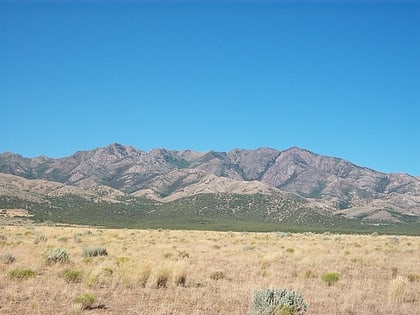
{"x": 203, "y": 272}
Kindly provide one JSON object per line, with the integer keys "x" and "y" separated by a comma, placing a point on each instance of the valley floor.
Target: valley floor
{"x": 205, "y": 272}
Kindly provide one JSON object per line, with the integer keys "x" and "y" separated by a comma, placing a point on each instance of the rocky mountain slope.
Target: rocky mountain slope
{"x": 162, "y": 174}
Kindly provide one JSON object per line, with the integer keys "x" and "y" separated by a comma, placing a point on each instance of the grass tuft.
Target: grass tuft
{"x": 22, "y": 274}
{"x": 86, "y": 300}
{"x": 72, "y": 275}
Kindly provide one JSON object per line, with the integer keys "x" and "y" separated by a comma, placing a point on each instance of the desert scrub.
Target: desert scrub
{"x": 7, "y": 258}
{"x": 86, "y": 300}
{"x": 330, "y": 278}
{"x": 22, "y": 274}
{"x": 56, "y": 255}
{"x": 277, "y": 302}
{"x": 94, "y": 251}
{"x": 217, "y": 275}
{"x": 71, "y": 275}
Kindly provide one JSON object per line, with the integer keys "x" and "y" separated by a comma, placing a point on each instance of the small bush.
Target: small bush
{"x": 94, "y": 251}
{"x": 22, "y": 274}
{"x": 290, "y": 250}
{"x": 217, "y": 275}
{"x": 86, "y": 300}
{"x": 7, "y": 258}
{"x": 330, "y": 278}
{"x": 72, "y": 275}
{"x": 277, "y": 302}
{"x": 413, "y": 277}
{"x": 56, "y": 255}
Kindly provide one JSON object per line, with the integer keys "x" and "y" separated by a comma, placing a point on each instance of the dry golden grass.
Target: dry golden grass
{"x": 173, "y": 272}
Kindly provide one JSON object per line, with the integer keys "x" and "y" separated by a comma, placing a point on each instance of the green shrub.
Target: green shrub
{"x": 22, "y": 274}
{"x": 330, "y": 278}
{"x": 7, "y": 258}
{"x": 94, "y": 251}
{"x": 86, "y": 300}
{"x": 56, "y": 255}
{"x": 72, "y": 275}
{"x": 278, "y": 302}
{"x": 290, "y": 250}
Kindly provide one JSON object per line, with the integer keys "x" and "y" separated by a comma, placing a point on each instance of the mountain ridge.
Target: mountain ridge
{"x": 164, "y": 174}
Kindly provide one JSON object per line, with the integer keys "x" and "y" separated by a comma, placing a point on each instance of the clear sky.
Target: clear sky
{"x": 339, "y": 78}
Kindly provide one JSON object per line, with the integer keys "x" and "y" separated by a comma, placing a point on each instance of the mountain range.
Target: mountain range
{"x": 118, "y": 173}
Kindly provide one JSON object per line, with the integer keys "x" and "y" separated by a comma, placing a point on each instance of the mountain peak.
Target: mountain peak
{"x": 336, "y": 182}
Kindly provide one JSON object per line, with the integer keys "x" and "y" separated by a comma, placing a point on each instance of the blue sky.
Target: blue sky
{"x": 339, "y": 78}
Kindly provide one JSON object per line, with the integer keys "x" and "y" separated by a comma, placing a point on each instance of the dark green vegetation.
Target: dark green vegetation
{"x": 219, "y": 212}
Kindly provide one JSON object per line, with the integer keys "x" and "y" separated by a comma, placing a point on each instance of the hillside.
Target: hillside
{"x": 118, "y": 174}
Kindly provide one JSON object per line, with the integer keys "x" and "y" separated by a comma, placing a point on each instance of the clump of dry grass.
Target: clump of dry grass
{"x": 136, "y": 275}
{"x": 397, "y": 289}
{"x": 161, "y": 275}
{"x": 72, "y": 275}
{"x": 217, "y": 275}
{"x": 128, "y": 278}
